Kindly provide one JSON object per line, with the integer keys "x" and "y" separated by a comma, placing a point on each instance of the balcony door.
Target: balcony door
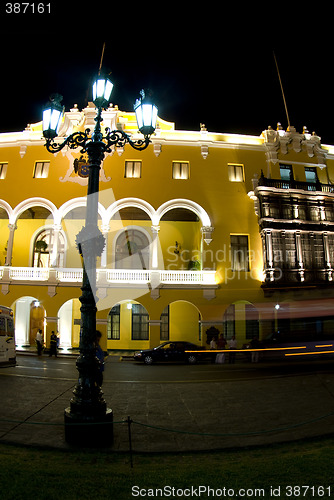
{"x": 132, "y": 250}
{"x": 43, "y": 246}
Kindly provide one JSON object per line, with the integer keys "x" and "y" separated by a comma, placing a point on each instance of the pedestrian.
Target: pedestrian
{"x": 39, "y": 342}
{"x": 53, "y": 344}
{"x": 213, "y": 347}
{"x": 100, "y": 357}
{"x": 221, "y": 344}
{"x": 255, "y": 344}
{"x": 232, "y": 345}
{"x": 213, "y": 344}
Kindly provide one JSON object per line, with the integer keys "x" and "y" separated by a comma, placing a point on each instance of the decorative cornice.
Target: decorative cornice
{"x": 281, "y": 141}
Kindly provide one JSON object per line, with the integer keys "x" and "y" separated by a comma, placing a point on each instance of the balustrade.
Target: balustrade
{"x": 112, "y": 276}
{"x": 293, "y": 184}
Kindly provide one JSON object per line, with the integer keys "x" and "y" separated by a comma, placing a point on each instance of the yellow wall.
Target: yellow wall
{"x": 228, "y": 205}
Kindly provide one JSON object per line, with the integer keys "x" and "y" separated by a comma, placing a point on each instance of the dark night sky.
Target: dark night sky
{"x": 213, "y": 67}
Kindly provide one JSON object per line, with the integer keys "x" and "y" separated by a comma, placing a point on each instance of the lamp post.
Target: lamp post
{"x": 88, "y": 405}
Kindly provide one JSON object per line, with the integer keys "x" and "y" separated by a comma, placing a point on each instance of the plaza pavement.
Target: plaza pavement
{"x": 178, "y": 416}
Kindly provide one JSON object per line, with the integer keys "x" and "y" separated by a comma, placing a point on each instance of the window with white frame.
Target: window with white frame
{"x": 181, "y": 170}
{"x": 239, "y": 252}
{"x": 43, "y": 247}
{"x": 3, "y": 170}
{"x": 229, "y": 322}
{"x": 236, "y": 173}
{"x": 132, "y": 169}
{"x": 41, "y": 170}
{"x": 164, "y": 324}
{"x": 113, "y": 327}
{"x": 132, "y": 250}
{"x": 140, "y": 322}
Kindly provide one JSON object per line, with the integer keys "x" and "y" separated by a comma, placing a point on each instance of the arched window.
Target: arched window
{"x": 113, "y": 328}
{"x": 43, "y": 246}
{"x": 140, "y": 322}
{"x": 164, "y": 324}
{"x": 132, "y": 250}
{"x": 252, "y": 321}
{"x": 229, "y": 322}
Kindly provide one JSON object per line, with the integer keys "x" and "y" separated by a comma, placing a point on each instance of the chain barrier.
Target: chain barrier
{"x": 130, "y": 422}
{"x": 179, "y": 431}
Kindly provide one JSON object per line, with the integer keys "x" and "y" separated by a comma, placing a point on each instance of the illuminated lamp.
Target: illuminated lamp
{"x": 102, "y": 88}
{"x": 52, "y": 116}
{"x": 146, "y": 114}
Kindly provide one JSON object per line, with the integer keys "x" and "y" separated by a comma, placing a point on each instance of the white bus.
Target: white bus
{"x": 7, "y": 340}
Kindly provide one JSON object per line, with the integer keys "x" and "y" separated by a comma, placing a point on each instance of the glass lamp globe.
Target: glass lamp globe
{"x": 102, "y": 88}
{"x": 146, "y": 114}
{"x": 52, "y": 116}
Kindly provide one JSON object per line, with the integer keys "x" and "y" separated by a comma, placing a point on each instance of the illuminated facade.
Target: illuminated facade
{"x": 202, "y": 230}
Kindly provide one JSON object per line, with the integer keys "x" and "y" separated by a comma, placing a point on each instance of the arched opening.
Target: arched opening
{"x": 32, "y": 220}
{"x": 72, "y": 223}
{"x": 181, "y": 320}
{"x": 241, "y": 319}
{"x": 69, "y": 324}
{"x": 129, "y": 239}
{"x": 29, "y": 317}
{"x": 181, "y": 239}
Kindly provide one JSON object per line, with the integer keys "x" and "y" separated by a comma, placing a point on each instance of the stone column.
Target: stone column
{"x": 10, "y": 244}
{"x": 55, "y": 247}
{"x": 154, "y": 248}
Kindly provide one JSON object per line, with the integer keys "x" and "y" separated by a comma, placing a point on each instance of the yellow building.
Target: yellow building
{"x": 202, "y": 230}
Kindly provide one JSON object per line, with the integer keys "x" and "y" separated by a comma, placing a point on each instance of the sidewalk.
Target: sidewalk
{"x": 202, "y": 415}
{"x": 71, "y": 353}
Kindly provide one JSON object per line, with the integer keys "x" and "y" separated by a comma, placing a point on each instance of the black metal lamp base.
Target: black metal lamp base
{"x": 92, "y": 431}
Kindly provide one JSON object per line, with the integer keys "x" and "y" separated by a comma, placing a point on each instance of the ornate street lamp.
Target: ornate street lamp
{"x": 52, "y": 116}
{"x": 88, "y": 405}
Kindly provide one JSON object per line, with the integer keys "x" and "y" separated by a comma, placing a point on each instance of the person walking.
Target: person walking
{"x": 39, "y": 342}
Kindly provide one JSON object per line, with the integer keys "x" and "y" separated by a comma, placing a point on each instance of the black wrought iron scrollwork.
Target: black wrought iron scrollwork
{"x": 119, "y": 138}
{"x": 82, "y": 140}
{"x": 73, "y": 141}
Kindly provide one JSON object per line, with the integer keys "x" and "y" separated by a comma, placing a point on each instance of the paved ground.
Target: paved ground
{"x": 236, "y": 412}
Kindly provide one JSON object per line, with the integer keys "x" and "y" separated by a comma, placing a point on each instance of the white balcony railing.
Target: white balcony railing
{"x": 186, "y": 277}
{"x": 29, "y": 273}
{"x": 69, "y": 275}
{"x": 128, "y": 276}
{"x": 107, "y": 277}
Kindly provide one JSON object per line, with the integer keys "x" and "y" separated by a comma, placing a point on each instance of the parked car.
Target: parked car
{"x": 170, "y": 351}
